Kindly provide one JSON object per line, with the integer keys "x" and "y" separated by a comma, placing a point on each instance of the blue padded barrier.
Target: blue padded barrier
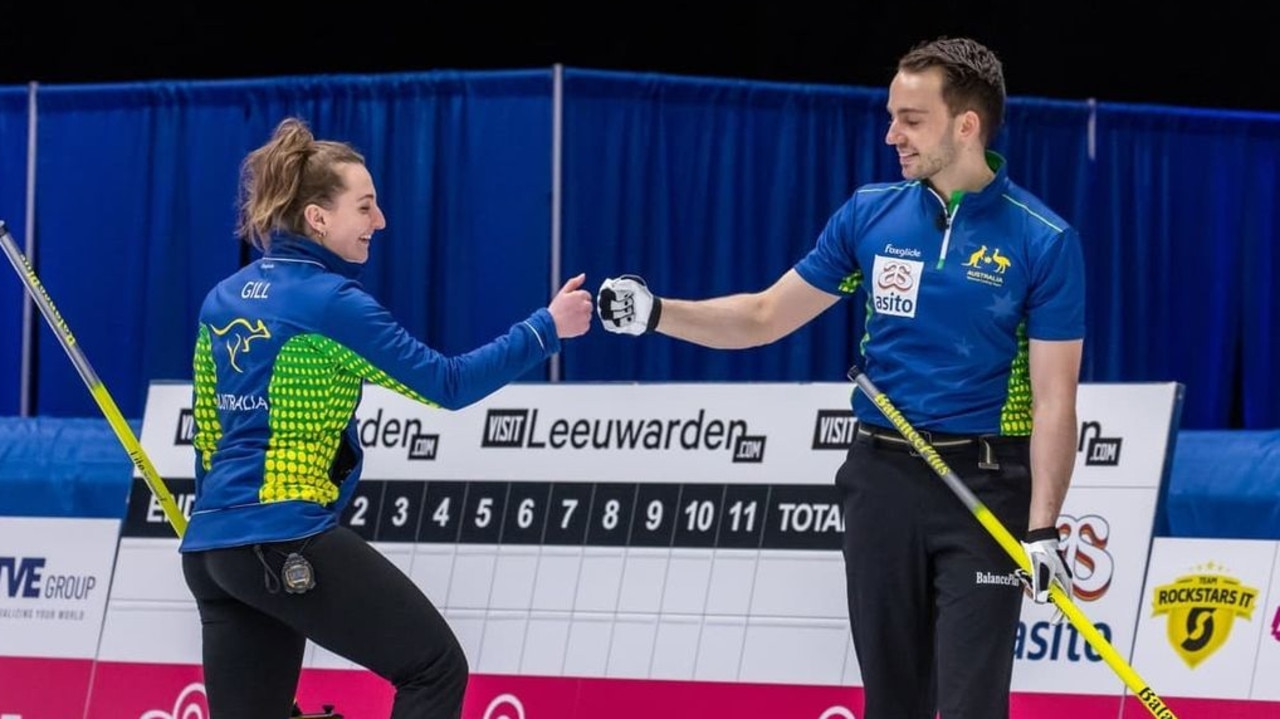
{"x": 63, "y": 467}
{"x": 1223, "y": 483}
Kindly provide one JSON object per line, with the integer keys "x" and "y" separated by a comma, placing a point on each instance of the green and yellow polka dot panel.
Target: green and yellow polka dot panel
{"x": 205, "y": 410}
{"x": 1015, "y": 416}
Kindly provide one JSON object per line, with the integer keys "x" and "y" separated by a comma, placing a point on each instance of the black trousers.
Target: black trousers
{"x": 933, "y": 602}
{"x": 362, "y": 608}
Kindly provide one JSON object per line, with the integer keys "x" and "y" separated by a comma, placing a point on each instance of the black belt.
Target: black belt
{"x": 935, "y": 439}
{"x": 986, "y": 443}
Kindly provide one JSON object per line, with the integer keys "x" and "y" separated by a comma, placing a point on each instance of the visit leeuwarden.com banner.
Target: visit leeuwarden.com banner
{"x": 636, "y": 550}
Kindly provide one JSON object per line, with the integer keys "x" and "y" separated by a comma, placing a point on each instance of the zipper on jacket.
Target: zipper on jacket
{"x": 946, "y": 219}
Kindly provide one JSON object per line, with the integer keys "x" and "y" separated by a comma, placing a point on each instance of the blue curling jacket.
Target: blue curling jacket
{"x": 283, "y": 349}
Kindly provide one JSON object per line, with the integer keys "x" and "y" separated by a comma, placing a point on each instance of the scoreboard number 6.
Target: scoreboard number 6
{"x": 524, "y": 515}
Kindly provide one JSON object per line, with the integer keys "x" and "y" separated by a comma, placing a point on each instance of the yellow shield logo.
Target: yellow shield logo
{"x": 1201, "y": 610}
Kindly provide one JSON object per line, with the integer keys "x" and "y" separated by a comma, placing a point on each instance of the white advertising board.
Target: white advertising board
{"x": 1265, "y": 684}
{"x": 654, "y": 532}
{"x": 55, "y": 577}
{"x": 1205, "y": 630}
{"x": 55, "y": 574}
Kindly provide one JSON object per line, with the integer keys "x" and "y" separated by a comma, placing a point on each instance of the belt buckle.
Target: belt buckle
{"x": 987, "y": 455}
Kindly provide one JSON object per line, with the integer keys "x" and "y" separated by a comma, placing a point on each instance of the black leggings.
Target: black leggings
{"x": 362, "y": 608}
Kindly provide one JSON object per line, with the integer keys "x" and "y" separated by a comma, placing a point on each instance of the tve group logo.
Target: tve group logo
{"x": 30, "y": 577}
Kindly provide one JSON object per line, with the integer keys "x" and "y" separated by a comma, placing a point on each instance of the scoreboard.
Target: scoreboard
{"x": 569, "y": 514}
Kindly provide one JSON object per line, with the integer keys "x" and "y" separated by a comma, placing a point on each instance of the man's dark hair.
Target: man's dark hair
{"x": 972, "y": 78}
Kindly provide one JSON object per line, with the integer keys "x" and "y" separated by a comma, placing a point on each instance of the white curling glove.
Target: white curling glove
{"x": 626, "y": 306}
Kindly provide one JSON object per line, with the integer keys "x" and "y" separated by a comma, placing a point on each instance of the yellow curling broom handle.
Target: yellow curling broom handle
{"x": 99, "y": 391}
{"x": 1013, "y": 547}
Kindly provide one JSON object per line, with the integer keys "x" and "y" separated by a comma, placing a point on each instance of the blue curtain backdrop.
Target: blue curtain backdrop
{"x": 1173, "y": 191}
{"x": 704, "y": 186}
{"x": 13, "y": 199}
{"x": 1259, "y": 273}
{"x": 138, "y": 185}
{"x": 708, "y": 187}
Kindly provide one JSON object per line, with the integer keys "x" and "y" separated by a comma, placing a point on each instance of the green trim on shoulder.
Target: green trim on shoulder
{"x": 1033, "y": 213}
{"x": 899, "y": 187}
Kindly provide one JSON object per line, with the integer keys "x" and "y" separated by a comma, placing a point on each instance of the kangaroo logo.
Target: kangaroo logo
{"x": 979, "y": 255}
{"x": 987, "y": 266}
{"x": 1002, "y": 262}
{"x": 244, "y": 333}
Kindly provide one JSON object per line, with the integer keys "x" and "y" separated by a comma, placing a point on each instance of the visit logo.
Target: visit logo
{"x": 185, "y": 433}
{"x": 834, "y": 429}
{"x": 895, "y": 286}
{"x": 1202, "y": 607}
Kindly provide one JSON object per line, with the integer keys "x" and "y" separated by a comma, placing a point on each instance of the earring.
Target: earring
{"x": 322, "y": 235}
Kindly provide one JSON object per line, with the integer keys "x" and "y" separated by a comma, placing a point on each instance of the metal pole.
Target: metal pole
{"x": 557, "y": 144}
{"x": 25, "y": 390}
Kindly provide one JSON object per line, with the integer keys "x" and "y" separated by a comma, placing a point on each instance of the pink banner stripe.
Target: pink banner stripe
{"x": 162, "y": 691}
{"x": 1197, "y": 708}
{"x": 39, "y": 687}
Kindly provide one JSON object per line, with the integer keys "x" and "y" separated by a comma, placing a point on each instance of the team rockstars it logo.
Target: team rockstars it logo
{"x": 1202, "y": 606}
